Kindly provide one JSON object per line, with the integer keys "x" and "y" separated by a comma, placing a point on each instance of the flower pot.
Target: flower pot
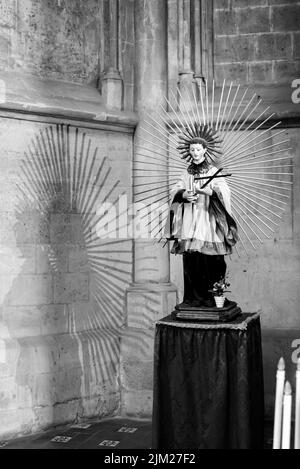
{"x": 219, "y": 300}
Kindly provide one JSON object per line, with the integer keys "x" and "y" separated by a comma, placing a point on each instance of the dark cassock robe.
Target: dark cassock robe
{"x": 203, "y": 232}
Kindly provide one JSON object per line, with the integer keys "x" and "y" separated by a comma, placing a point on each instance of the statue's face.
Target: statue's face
{"x": 197, "y": 152}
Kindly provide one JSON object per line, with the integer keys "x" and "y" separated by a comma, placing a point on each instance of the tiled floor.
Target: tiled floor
{"x": 115, "y": 433}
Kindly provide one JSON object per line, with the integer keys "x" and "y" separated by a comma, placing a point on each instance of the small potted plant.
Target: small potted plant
{"x": 219, "y": 288}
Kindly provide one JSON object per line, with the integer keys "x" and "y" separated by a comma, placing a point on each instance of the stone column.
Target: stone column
{"x": 207, "y": 38}
{"x": 112, "y": 83}
{"x": 186, "y": 74}
{"x": 173, "y": 41}
{"x": 151, "y": 296}
{"x": 197, "y": 40}
{"x": 151, "y": 260}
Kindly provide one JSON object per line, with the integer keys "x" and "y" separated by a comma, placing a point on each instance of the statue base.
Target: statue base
{"x": 188, "y": 312}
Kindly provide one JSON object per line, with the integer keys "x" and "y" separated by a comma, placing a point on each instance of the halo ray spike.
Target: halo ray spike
{"x": 258, "y": 142}
{"x": 206, "y": 99}
{"x": 236, "y": 138}
{"x": 231, "y": 136}
{"x": 225, "y": 107}
{"x": 254, "y": 223}
{"x": 213, "y": 102}
{"x": 175, "y": 113}
{"x": 182, "y": 114}
{"x": 237, "y": 109}
{"x": 254, "y": 199}
{"x": 153, "y": 135}
{"x": 237, "y": 209}
{"x": 188, "y": 113}
{"x": 169, "y": 117}
{"x": 196, "y": 104}
{"x": 261, "y": 213}
{"x": 249, "y": 186}
{"x": 168, "y": 157}
{"x": 191, "y": 102}
{"x": 155, "y": 164}
{"x": 224, "y": 130}
{"x": 162, "y": 132}
{"x": 202, "y": 104}
{"x": 240, "y": 159}
{"x": 239, "y": 141}
{"x": 220, "y": 105}
{"x": 241, "y": 163}
{"x": 259, "y": 165}
{"x": 242, "y": 227}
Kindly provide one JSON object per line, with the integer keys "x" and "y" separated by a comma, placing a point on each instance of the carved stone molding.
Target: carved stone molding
{"x": 190, "y": 42}
{"x": 112, "y": 82}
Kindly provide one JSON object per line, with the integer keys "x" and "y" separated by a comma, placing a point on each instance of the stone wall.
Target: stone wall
{"x": 62, "y": 293}
{"x": 69, "y": 41}
{"x": 258, "y": 41}
{"x": 62, "y": 288}
{"x": 52, "y": 41}
{"x": 267, "y": 280}
{"x": 73, "y": 344}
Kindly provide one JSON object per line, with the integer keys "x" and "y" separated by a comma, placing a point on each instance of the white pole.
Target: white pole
{"x": 287, "y": 414}
{"x": 191, "y": 183}
{"x": 280, "y": 378}
{"x": 297, "y": 408}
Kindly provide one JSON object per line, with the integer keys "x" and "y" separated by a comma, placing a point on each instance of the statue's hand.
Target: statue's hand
{"x": 189, "y": 196}
{"x": 205, "y": 191}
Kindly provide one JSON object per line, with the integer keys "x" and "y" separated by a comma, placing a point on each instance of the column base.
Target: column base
{"x": 112, "y": 90}
{"x": 200, "y": 80}
{"x": 186, "y": 84}
{"x": 148, "y": 302}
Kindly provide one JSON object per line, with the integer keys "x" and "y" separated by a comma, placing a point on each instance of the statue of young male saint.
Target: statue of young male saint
{"x": 200, "y": 221}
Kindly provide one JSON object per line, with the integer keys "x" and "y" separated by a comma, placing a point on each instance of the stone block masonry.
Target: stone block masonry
{"x": 257, "y": 42}
{"x": 51, "y": 41}
{"x": 62, "y": 309}
{"x": 65, "y": 42}
{"x": 63, "y": 354}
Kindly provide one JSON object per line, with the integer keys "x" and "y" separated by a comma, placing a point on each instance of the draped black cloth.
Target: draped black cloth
{"x": 200, "y": 272}
{"x": 208, "y": 385}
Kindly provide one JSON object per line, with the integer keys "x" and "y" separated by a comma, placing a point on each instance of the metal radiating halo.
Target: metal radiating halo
{"x": 253, "y": 150}
{"x": 208, "y": 135}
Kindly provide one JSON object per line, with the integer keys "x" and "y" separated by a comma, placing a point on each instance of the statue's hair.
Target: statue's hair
{"x": 202, "y": 134}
